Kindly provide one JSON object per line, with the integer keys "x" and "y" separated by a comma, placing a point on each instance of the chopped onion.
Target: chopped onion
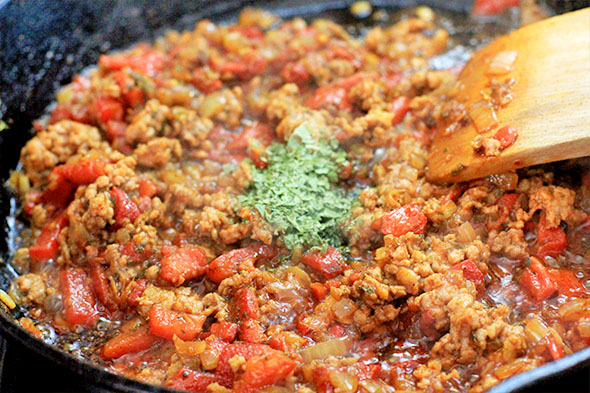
{"x": 506, "y": 181}
{"x": 337, "y": 347}
{"x": 343, "y": 310}
{"x": 574, "y": 310}
{"x": 212, "y": 104}
{"x": 6, "y": 299}
{"x": 466, "y": 233}
{"x": 502, "y": 63}
{"x": 483, "y": 116}
{"x": 209, "y": 359}
{"x": 584, "y": 328}
{"x": 535, "y": 330}
{"x": 188, "y": 348}
{"x": 343, "y": 381}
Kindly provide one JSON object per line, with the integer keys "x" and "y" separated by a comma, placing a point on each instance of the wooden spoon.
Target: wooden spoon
{"x": 550, "y": 109}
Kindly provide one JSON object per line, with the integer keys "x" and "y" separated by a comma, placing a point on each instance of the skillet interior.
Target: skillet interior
{"x": 44, "y": 43}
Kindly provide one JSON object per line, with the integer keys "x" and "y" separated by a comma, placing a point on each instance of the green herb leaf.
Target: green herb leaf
{"x": 298, "y": 193}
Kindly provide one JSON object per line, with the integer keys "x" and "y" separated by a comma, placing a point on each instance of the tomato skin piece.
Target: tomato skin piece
{"x": 149, "y": 62}
{"x": 550, "y": 242}
{"x": 537, "y": 281}
{"x": 46, "y": 246}
{"x": 319, "y": 291}
{"x": 181, "y": 264}
{"x": 264, "y": 371}
{"x": 226, "y": 265}
{"x": 555, "y": 350}
{"x": 470, "y": 271}
{"x": 136, "y": 292}
{"x": 246, "y": 304}
{"x": 329, "y": 264}
{"x": 408, "y": 218}
{"x": 125, "y": 208}
{"x": 77, "y": 113}
{"x": 108, "y": 109}
{"x": 227, "y": 331}
{"x": 295, "y": 72}
{"x": 191, "y": 380}
{"x": 101, "y": 288}
{"x": 167, "y": 323}
{"x": 567, "y": 282}
{"x": 81, "y": 173}
{"x": 399, "y": 107}
{"x": 79, "y": 303}
{"x": 491, "y": 7}
{"x": 252, "y": 332}
{"x": 128, "y": 342}
{"x": 507, "y": 136}
{"x": 147, "y": 188}
{"x": 329, "y": 95}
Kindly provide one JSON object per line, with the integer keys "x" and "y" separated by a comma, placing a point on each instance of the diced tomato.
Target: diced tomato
{"x": 537, "y": 281}
{"x": 336, "y": 330}
{"x": 46, "y": 246}
{"x": 261, "y": 132}
{"x": 364, "y": 371}
{"x": 248, "y": 66}
{"x": 340, "y": 52}
{"x": 321, "y": 379}
{"x": 252, "y": 332}
{"x": 191, "y": 380}
{"x": 134, "y": 252}
{"x": 246, "y": 304}
{"x": 226, "y": 265}
{"x": 264, "y": 371}
{"x": 136, "y": 292}
{"x": 149, "y": 62}
{"x": 507, "y": 136}
{"x": 116, "y": 129}
{"x": 102, "y": 289}
{"x": 128, "y": 342}
{"x": 251, "y": 32}
{"x": 181, "y": 264}
{"x": 147, "y": 188}
{"x": 246, "y": 350}
{"x": 125, "y": 208}
{"x": 227, "y": 331}
{"x": 567, "y": 282}
{"x": 408, "y": 218}
{"x": 295, "y": 72}
{"x": 319, "y": 291}
{"x": 550, "y": 242}
{"x": 108, "y": 109}
{"x": 166, "y": 323}
{"x": 329, "y": 264}
{"x": 470, "y": 271}
{"x": 77, "y": 113}
{"x": 491, "y": 7}
{"x": 555, "y": 349}
{"x": 399, "y": 107}
{"x": 205, "y": 83}
{"x": 79, "y": 303}
{"x": 81, "y": 173}
{"x": 329, "y": 95}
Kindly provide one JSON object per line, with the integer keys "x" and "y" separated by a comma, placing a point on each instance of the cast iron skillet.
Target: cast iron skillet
{"x": 44, "y": 42}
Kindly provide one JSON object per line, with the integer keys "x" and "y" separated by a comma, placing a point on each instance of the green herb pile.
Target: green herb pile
{"x": 298, "y": 193}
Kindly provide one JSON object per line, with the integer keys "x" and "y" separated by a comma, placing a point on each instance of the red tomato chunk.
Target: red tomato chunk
{"x": 406, "y": 219}
{"x": 78, "y": 297}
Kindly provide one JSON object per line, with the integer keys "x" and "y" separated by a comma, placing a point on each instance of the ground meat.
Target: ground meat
{"x": 55, "y": 145}
{"x": 31, "y": 288}
{"x": 510, "y": 243}
{"x": 157, "y": 152}
{"x": 556, "y": 202}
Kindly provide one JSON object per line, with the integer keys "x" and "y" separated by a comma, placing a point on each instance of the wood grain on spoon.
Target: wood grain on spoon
{"x": 550, "y": 108}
